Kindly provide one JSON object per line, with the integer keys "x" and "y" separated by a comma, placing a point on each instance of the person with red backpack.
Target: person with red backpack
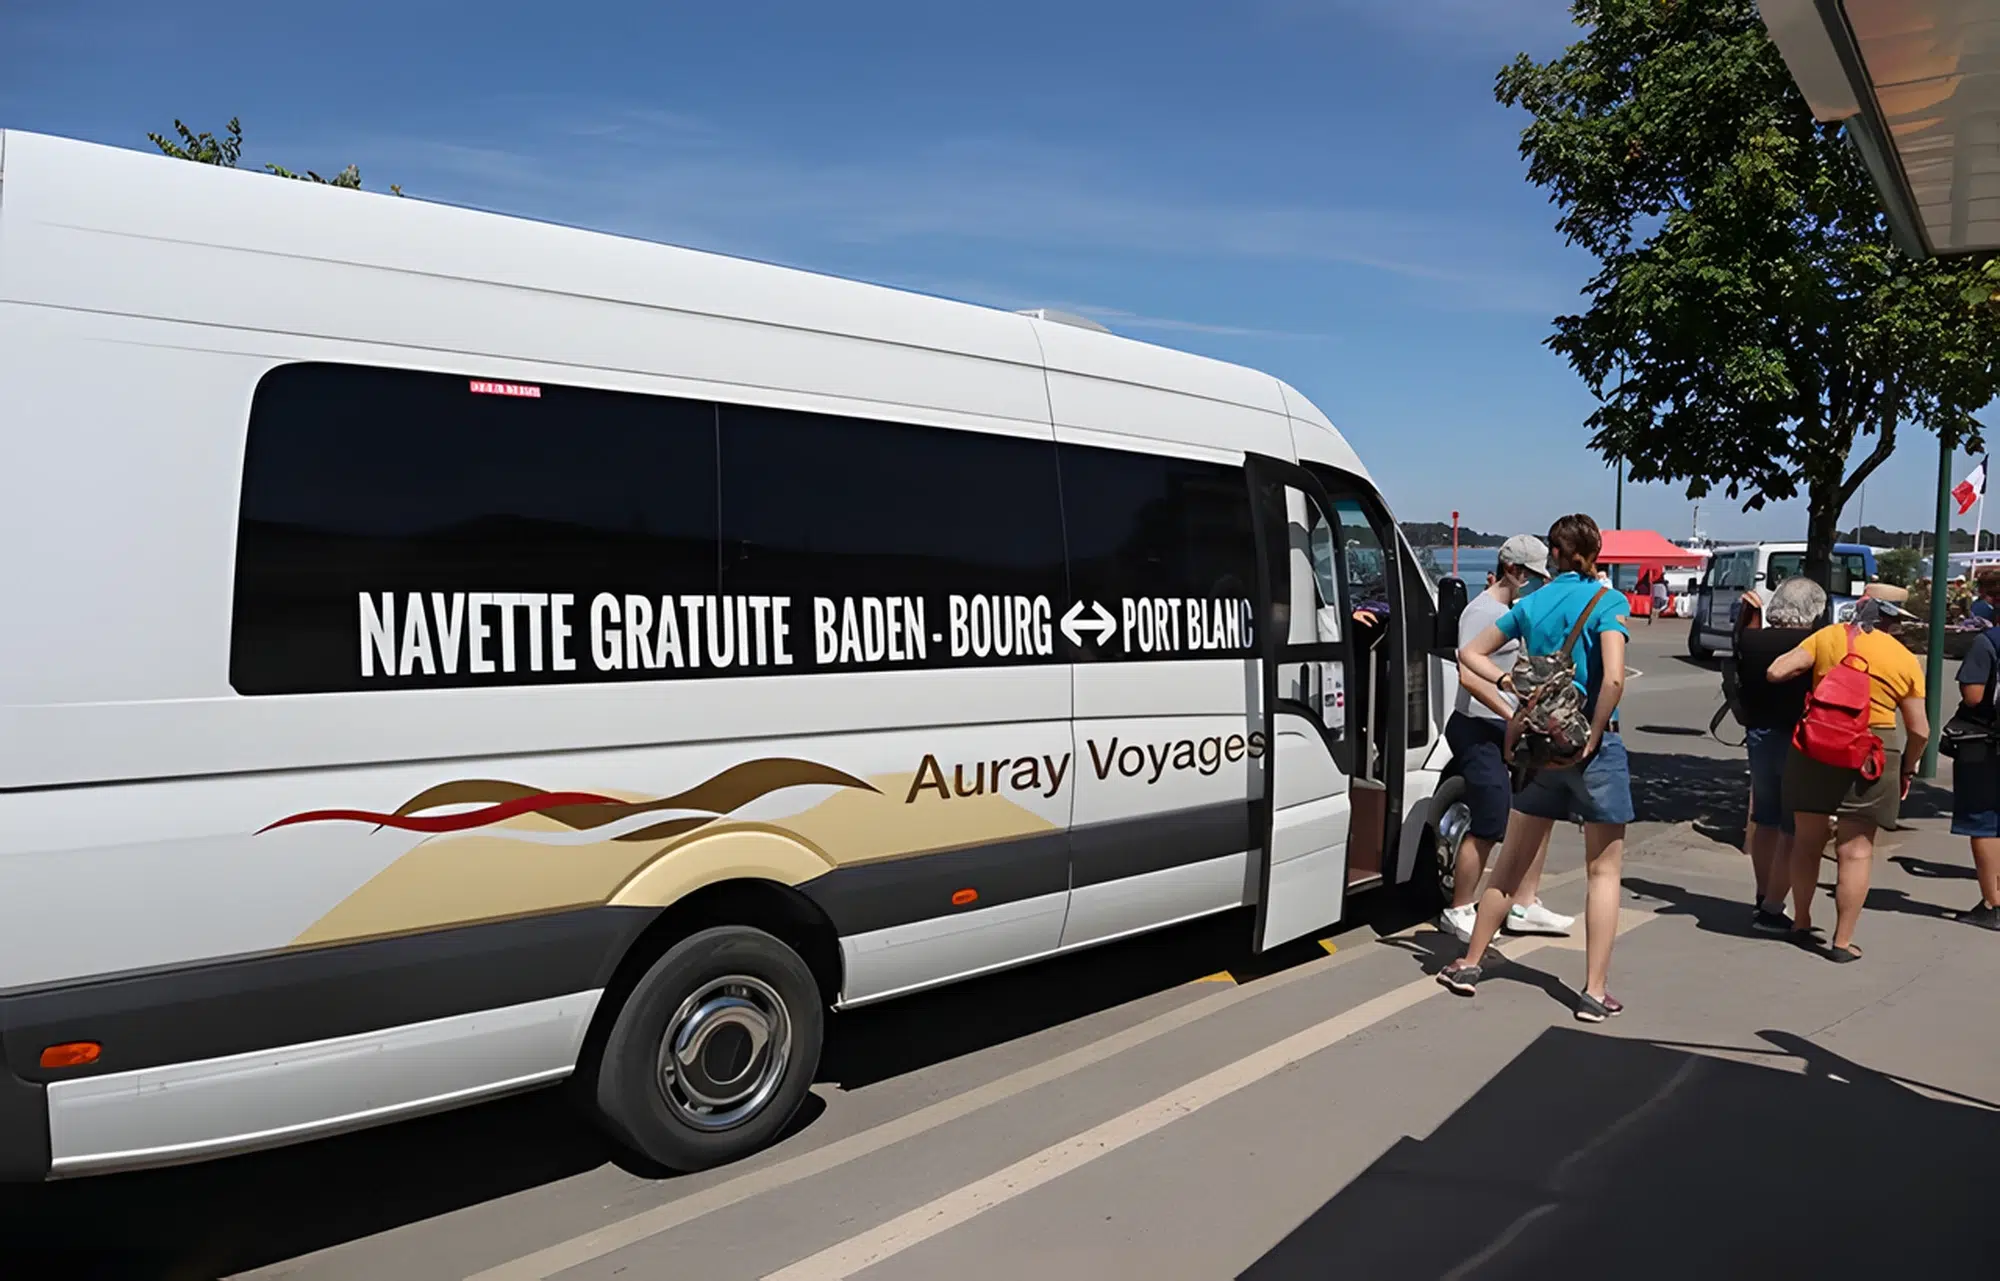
{"x": 1851, "y": 764}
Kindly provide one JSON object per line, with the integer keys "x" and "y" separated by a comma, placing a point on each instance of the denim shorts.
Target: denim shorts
{"x": 1768, "y": 748}
{"x": 1597, "y": 791}
{"x": 1476, "y": 746}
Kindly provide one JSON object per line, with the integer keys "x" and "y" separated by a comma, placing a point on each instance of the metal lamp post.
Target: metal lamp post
{"x": 1940, "y": 572}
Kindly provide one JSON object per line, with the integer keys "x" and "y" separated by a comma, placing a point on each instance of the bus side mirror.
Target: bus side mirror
{"x": 1451, "y": 604}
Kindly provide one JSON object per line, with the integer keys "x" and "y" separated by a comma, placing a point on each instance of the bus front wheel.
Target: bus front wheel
{"x": 713, "y": 1051}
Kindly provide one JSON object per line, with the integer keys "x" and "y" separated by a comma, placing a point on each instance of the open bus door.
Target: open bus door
{"x": 1305, "y": 640}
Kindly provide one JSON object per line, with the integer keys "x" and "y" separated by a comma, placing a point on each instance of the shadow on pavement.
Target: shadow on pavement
{"x": 1712, "y": 914}
{"x": 1645, "y": 1160}
{"x": 226, "y": 1216}
{"x": 1711, "y": 792}
{"x": 208, "y": 1220}
{"x": 1881, "y": 899}
{"x": 1434, "y": 949}
{"x": 1931, "y": 870}
{"x": 1927, "y": 800}
{"x": 877, "y": 1042}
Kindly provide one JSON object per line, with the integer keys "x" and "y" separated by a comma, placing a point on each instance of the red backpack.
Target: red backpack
{"x": 1834, "y": 730}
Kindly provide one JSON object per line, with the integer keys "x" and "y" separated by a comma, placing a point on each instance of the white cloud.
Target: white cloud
{"x": 1118, "y": 319}
{"x": 668, "y": 176}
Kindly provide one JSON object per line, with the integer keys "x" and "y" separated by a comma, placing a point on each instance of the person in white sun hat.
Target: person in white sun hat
{"x": 1477, "y": 734}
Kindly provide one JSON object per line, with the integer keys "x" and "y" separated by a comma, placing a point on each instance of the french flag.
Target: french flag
{"x": 1968, "y": 491}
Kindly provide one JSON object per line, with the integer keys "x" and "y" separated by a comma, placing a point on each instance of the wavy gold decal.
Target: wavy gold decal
{"x": 500, "y": 801}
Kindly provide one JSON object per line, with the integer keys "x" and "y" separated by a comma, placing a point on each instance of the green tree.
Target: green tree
{"x": 1750, "y": 319}
{"x": 1900, "y": 566}
{"x": 207, "y": 149}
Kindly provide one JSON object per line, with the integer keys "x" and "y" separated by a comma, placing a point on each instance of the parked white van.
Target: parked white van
{"x": 1762, "y": 566}
{"x": 446, "y": 654}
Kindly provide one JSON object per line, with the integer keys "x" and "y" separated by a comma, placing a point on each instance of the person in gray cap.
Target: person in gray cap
{"x": 1477, "y": 735}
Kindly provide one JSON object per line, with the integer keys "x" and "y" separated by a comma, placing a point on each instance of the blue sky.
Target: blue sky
{"x": 1324, "y": 189}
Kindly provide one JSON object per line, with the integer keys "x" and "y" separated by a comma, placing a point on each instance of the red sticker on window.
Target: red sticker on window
{"x": 506, "y": 389}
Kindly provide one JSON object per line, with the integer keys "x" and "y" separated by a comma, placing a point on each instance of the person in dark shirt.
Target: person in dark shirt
{"x": 1975, "y": 776}
{"x": 1770, "y": 710}
{"x": 1984, "y": 605}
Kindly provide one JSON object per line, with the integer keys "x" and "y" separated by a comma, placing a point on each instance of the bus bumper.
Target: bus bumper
{"x": 24, "y": 1129}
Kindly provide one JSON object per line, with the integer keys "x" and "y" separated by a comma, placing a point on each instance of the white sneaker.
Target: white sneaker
{"x": 1536, "y": 919}
{"x": 1458, "y": 921}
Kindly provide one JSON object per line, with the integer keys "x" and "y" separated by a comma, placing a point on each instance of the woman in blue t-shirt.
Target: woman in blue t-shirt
{"x": 1596, "y": 787}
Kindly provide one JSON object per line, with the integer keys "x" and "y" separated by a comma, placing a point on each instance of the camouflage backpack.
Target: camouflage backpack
{"x": 1550, "y": 725}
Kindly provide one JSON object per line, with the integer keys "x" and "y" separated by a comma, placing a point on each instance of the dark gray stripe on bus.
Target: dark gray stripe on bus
{"x": 863, "y": 897}
{"x": 1133, "y": 847}
{"x": 207, "y": 1010}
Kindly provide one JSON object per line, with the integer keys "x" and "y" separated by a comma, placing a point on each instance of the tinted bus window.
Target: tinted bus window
{"x": 409, "y": 529}
{"x": 896, "y": 545}
{"x": 1164, "y": 547}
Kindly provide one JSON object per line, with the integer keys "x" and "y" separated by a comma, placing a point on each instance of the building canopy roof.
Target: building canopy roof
{"x": 1917, "y": 83}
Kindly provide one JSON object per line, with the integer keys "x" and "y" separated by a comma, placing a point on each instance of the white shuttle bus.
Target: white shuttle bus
{"x": 442, "y": 654}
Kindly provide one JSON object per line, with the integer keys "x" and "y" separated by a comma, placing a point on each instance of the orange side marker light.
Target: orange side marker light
{"x": 960, "y": 898}
{"x": 71, "y": 1054}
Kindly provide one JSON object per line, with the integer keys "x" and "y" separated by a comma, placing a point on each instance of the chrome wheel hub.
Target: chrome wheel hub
{"x": 724, "y": 1052}
{"x": 1451, "y": 830}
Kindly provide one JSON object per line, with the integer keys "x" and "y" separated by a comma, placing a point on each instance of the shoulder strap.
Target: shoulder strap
{"x": 1851, "y": 658}
{"x": 1990, "y": 702}
{"x": 1576, "y": 631}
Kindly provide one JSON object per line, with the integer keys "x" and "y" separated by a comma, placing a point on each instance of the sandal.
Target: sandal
{"x": 1843, "y": 955}
{"x": 1591, "y": 1010}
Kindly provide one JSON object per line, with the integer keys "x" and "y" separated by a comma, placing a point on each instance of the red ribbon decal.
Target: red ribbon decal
{"x": 451, "y": 822}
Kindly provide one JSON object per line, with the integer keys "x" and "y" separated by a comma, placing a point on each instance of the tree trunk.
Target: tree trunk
{"x": 1823, "y": 505}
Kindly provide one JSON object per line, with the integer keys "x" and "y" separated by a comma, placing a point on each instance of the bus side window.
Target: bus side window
{"x": 1151, "y": 526}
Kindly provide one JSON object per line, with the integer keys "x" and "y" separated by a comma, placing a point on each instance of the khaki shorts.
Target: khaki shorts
{"x": 1812, "y": 787}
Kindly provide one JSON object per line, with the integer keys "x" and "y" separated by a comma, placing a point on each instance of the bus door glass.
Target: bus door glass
{"x": 1378, "y": 687}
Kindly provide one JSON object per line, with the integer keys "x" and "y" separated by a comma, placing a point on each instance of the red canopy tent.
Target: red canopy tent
{"x": 1648, "y": 550}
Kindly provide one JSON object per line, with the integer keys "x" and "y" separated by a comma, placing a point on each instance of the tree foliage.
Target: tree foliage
{"x": 1750, "y": 319}
{"x": 207, "y": 149}
{"x": 1899, "y": 565}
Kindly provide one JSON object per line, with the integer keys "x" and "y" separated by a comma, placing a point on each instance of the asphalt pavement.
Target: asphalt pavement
{"x": 1174, "y": 1107}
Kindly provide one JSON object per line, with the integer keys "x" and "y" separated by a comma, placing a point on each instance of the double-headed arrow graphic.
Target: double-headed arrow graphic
{"x": 1074, "y": 621}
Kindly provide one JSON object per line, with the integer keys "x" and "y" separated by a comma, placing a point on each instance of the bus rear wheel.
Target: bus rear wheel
{"x": 714, "y": 1050}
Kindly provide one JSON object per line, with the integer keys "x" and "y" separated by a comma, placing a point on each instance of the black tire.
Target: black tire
{"x": 740, "y": 982}
{"x": 1697, "y": 650}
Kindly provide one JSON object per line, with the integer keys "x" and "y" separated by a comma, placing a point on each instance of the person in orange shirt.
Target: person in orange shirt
{"x": 1821, "y": 795}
